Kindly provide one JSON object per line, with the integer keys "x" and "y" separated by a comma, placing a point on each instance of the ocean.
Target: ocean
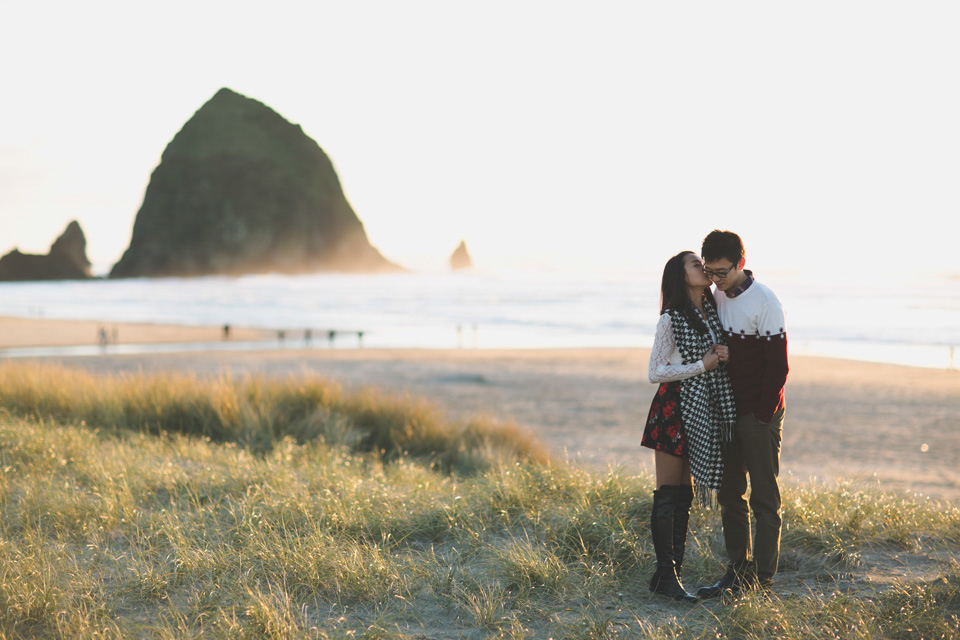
{"x": 915, "y": 321}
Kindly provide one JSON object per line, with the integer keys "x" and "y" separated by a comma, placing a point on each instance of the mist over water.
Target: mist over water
{"x": 914, "y": 321}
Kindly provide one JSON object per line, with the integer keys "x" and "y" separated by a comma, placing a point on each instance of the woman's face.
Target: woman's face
{"x": 694, "y": 271}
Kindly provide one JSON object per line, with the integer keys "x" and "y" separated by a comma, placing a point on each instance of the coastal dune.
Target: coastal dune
{"x": 893, "y": 427}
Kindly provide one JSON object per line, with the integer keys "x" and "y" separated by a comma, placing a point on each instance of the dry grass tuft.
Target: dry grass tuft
{"x": 257, "y": 413}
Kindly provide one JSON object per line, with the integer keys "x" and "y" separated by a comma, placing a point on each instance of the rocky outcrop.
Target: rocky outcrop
{"x": 67, "y": 260}
{"x": 460, "y": 259}
{"x": 241, "y": 190}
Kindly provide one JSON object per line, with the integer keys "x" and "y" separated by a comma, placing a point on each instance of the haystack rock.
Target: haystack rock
{"x": 67, "y": 260}
{"x": 241, "y": 190}
{"x": 460, "y": 259}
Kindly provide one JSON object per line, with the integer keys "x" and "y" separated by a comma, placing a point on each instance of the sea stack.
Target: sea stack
{"x": 67, "y": 260}
{"x": 241, "y": 190}
{"x": 460, "y": 259}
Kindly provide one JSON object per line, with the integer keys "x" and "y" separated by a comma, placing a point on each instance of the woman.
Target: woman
{"x": 691, "y": 415}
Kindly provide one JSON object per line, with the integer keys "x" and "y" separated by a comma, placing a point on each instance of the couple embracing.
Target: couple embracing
{"x": 715, "y": 421}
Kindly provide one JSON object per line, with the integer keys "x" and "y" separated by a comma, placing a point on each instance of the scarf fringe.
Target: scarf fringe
{"x": 706, "y": 497}
{"x": 726, "y": 431}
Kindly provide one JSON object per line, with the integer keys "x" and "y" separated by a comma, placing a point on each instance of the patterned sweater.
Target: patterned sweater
{"x": 758, "y": 349}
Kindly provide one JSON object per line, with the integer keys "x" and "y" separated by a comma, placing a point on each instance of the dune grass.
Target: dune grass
{"x": 256, "y": 413}
{"x": 176, "y": 507}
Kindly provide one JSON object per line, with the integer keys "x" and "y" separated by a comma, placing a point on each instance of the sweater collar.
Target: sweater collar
{"x": 747, "y": 281}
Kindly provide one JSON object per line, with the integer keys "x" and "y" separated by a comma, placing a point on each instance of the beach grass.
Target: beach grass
{"x": 182, "y": 507}
{"x": 256, "y": 413}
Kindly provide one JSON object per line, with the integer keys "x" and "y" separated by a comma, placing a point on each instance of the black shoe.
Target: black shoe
{"x": 731, "y": 584}
{"x": 666, "y": 582}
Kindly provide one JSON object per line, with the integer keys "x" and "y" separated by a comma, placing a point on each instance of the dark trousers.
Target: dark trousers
{"x": 755, "y": 455}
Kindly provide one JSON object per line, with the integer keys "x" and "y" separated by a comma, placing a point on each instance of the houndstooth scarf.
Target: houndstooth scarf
{"x": 706, "y": 405}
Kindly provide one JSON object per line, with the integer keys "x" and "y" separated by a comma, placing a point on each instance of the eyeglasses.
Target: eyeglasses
{"x": 720, "y": 274}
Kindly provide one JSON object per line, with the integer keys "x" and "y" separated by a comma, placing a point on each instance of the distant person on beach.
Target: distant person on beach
{"x": 753, "y": 319}
{"x": 690, "y": 416}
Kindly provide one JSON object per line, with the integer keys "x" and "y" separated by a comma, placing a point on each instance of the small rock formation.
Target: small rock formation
{"x": 241, "y": 190}
{"x": 460, "y": 259}
{"x": 67, "y": 260}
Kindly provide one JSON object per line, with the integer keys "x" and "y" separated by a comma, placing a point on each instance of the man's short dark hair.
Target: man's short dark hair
{"x": 722, "y": 244}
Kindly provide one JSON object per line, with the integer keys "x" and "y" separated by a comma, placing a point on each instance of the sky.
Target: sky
{"x": 559, "y": 136}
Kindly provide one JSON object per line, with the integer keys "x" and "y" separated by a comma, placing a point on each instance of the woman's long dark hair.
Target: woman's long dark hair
{"x": 673, "y": 292}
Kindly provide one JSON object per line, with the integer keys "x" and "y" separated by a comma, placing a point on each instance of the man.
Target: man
{"x": 753, "y": 319}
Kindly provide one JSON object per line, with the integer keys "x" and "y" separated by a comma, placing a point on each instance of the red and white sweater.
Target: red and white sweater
{"x": 757, "y": 338}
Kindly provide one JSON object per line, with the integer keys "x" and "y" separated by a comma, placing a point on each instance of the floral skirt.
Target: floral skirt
{"x": 664, "y": 431}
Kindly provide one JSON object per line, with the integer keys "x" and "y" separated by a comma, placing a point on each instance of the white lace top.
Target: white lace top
{"x": 666, "y": 363}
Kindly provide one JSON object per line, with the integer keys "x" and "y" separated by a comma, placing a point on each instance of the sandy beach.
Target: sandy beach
{"x": 44, "y": 332}
{"x": 885, "y": 425}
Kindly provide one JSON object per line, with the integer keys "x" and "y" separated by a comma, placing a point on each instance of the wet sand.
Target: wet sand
{"x": 43, "y": 332}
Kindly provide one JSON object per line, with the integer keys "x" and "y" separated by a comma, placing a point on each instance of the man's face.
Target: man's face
{"x": 723, "y": 273}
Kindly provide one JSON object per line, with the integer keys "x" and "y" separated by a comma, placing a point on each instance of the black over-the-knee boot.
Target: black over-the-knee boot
{"x": 681, "y": 518}
{"x": 665, "y": 580}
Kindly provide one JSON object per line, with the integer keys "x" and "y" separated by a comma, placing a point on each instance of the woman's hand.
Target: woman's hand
{"x": 722, "y": 351}
{"x": 710, "y": 359}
